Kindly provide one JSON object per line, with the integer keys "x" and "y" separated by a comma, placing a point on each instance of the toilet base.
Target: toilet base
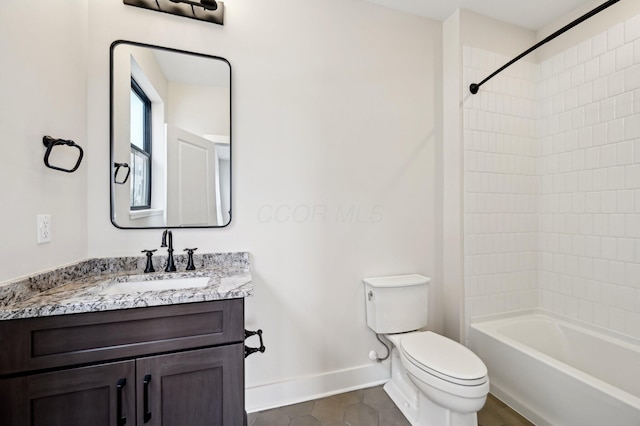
{"x": 415, "y": 406}
{"x": 402, "y": 391}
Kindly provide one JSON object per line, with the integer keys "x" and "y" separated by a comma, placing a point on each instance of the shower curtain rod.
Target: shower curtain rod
{"x": 475, "y": 86}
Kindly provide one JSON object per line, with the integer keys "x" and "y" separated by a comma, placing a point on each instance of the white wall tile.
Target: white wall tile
{"x": 600, "y": 224}
{"x": 632, "y": 324}
{"x": 617, "y": 272}
{"x": 607, "y": 109}
{"x": 624, "y": 153}
{"x": 626, "y": 298}
{"x": 593, "y": 246}
{"x": 599, "y": 44}
{"x": 600, "y": 315}
{"x": 601, "y": 179}
{"x": 608, "y": 202}
{"x": 607, "y": 63}
{"x": 600, "y": 88}
{"x": 632, "y": 127}
{"x": 632, "y": 78}
{"x": 592, "y": 158}
{"x": 608, "y": 294}
{"x": 632, "y": 225}
{"x": 600, "y": 133}
{"x": 592, "y": 116}
{"x": 625, "y": 201}
{"x": 571, "y": 57}
{"x": 625, "y": 249}
{"x": 616, "y": 178}
{"x": 584, "y": 52}
{"x": 609, "y": 248}
{"x": 615, "y": 36}
{"x": 624, "y": 56}
{"x": 608, "y": 152}
{"x": 624, "y": 105}
{"x": 592, "y": 69}
{"x": 617, "y": 320}
{"x": 633, "y": 275}
{"x": 616, "y": 129}
{"x": 617, "y": 225}
{"x": 632, "y": 176}
{"x": 632, "y": 29}
{"x": 616, "y": 83}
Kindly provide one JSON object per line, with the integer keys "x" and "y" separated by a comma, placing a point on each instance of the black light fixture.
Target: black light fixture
{"x": 202, "y": 10}
{"x": 207, "y": 4}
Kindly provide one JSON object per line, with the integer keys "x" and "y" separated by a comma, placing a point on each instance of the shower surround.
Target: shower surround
{"x": 552, "y": 182}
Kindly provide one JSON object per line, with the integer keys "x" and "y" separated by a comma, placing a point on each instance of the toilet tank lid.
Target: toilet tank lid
{"x": 397, "y": 280}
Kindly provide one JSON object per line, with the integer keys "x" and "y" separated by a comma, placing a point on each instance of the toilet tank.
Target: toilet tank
{"x": 396, "y": 304}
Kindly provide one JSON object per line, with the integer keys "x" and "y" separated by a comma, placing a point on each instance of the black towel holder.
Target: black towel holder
{"x": 50, "y": 142}
{"x": 115, "y": 173}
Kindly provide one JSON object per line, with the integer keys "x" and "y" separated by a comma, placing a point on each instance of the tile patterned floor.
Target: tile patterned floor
{"x": 367, "y": 407}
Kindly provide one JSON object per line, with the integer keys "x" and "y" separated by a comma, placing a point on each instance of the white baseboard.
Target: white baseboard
{"x": 300, "y": 389}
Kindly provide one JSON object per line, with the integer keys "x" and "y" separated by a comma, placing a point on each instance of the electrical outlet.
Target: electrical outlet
{"x": 44, "y": 228}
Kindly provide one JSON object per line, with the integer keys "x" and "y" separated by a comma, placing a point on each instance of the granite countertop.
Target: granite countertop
{"x": 75, "y": 288}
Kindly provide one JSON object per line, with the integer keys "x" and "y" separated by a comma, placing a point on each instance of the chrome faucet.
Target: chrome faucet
{"x": 171, "y": 267}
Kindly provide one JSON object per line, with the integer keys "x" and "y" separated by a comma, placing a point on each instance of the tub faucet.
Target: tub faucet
{"x": 171, "y": 267}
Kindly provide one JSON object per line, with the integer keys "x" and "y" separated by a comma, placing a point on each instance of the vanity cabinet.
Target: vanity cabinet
{"x": 167, "y": 365}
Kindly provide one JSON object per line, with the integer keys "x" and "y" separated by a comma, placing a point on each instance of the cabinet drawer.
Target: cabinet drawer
{"x": 65, "y": 340}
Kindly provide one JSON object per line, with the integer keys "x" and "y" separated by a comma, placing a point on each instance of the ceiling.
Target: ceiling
{"x": 531, "y": 14}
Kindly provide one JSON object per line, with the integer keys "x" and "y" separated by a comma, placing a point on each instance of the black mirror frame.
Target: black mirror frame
{"x": 111, "y": 135}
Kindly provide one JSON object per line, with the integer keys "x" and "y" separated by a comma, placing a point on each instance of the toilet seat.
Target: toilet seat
{"x": 443, "y": 358}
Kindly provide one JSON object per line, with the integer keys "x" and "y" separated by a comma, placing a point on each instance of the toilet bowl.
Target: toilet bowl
{"x": 435, "y": 381}
{"x": 451, "y": 378}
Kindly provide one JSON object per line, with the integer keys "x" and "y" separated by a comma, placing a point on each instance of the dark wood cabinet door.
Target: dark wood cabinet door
{"x": 102, "y": 395}
{"x": 202, "y": 387}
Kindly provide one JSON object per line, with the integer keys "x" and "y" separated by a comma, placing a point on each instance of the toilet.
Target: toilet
{"x": 435, "y": 381}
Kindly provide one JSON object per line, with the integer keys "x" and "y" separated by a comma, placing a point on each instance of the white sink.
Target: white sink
{"x": 155, "y": 285}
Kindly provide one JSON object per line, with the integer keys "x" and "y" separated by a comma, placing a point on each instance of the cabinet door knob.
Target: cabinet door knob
{"x": 145, "y": 383}
{"x": 119, "y": 387}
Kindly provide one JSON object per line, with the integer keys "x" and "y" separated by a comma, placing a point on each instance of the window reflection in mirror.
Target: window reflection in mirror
{"x": 140, "y": 148}
{"x": 171, "y": 121}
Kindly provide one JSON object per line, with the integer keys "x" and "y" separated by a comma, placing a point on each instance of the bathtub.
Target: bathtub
{"x": 560, "y": 372}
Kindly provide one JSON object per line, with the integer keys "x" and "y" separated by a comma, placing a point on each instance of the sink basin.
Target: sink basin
{"x": 154, "y": 285}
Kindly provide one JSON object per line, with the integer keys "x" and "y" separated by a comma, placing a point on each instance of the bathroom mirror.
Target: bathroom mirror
{"x": 170, "y": 138}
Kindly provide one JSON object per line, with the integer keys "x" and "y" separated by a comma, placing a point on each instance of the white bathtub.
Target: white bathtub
{"x": 560, "y": 372}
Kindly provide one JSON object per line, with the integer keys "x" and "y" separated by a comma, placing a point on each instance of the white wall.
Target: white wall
{"x": 333, "y": 169}
{"x": 43, "y": 92}
{"x": 200, "y": 109}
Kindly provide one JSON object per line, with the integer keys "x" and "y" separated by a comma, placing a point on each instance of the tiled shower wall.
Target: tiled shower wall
{"x": 589, "y": 165}
{"x": 585, "y": 147}
{"x": 501, "y": 187}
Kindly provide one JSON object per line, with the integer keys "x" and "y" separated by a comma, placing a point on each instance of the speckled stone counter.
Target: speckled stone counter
{"x": 75, "y": 288}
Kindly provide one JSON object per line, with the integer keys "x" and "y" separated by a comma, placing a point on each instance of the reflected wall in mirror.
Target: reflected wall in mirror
{"x": 170, "y": 138}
